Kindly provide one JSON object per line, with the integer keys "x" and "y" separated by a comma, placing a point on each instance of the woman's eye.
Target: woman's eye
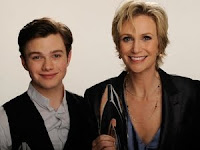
{"x": 146, "y": 38}
{"x": 127, "y": 39}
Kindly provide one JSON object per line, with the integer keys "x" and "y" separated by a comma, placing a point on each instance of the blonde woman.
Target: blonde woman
{"x": 152, "y": 110}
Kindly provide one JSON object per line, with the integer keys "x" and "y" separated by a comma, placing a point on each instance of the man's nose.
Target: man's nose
{"x": 48, "y": 64}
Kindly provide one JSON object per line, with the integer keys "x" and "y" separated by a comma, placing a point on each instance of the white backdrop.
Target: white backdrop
{"x": 93, "y": 55}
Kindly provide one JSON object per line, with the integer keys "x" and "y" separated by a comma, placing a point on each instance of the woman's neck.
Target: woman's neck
{"x": 142, "y": 84}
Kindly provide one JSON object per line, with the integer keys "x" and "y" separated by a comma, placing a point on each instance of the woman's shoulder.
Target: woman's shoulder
{"x": 184, "y": 80}
{"x": 179, "y": 81}
{"x": 113, "y": 80}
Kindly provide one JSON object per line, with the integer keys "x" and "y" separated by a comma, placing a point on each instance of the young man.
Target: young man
{"x": 46, "y": 116}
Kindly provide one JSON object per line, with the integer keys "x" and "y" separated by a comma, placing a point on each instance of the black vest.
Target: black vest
{"x": 26, "y": 124}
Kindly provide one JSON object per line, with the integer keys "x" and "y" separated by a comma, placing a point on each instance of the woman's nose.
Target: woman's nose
{"x": 136, "y": 46}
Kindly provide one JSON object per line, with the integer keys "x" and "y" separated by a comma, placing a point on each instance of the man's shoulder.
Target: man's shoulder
{"x": 73, "y": 98}
{"x": 17, "y": 99}
{"x": 74, "y": 95}
{"x": 18, "y": 105}
{"x": 2, "y": 115}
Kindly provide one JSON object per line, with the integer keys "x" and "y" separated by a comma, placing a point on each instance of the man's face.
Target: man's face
{"x": 46, "y": 61}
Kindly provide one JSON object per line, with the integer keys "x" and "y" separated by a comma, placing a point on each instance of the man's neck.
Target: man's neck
{"x": 55, "y": 95}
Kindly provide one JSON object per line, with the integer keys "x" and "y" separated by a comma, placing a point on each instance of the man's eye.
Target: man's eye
{"x": 127, "y": 39}
{"x": 146, "y": 38}
{"x": 35, "y": 57}
{"x": 56, "y": 55}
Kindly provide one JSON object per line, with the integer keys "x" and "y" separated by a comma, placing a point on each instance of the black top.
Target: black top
{"x": 180, "y": 127}
{"x": 27, "y": 125}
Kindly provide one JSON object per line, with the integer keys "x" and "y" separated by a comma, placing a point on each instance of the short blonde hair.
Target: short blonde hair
{"x": 131, "y": 9}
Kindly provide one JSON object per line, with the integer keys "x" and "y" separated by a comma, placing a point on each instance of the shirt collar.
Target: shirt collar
{"x": 42, "y": 101}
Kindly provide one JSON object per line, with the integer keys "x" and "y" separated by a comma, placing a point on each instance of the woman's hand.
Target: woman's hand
{"x": 104, "y": 142}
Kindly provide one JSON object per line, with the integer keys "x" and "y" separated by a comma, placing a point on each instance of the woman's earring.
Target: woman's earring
{"x": 160, "y": 55}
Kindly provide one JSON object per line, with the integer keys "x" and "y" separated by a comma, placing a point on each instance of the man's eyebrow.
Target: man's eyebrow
{"x": 56, "y": 51}
{"x": 39, "y": 53}
{"x": 33, "y": 53}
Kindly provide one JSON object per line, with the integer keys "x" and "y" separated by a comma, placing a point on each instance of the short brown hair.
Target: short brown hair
{"x": 41, "y": 28}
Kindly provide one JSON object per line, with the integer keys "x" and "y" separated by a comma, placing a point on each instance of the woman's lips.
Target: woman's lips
{"x": 138, "y": 58}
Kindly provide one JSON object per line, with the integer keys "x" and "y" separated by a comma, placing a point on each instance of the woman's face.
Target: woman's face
{"x": 139, "y": 44}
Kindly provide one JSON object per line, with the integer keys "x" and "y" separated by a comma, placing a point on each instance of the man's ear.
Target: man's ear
{"x": 23, "y": 61}
{"x": 69, "y": 57}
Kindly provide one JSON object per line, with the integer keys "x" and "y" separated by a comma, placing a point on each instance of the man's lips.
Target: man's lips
{"x": 49, "y": 75}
